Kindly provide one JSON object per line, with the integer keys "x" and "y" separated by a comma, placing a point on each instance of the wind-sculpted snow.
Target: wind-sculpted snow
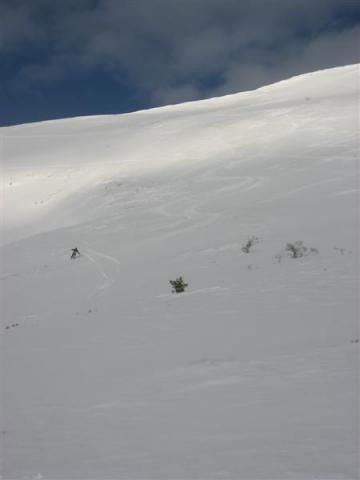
{"x": 251, "y": 373}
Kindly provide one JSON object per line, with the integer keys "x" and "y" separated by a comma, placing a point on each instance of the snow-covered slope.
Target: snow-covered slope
{"x": 249, "y": 374}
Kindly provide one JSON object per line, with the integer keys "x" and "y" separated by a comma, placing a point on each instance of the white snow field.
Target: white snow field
{"x": 252, "y": 372}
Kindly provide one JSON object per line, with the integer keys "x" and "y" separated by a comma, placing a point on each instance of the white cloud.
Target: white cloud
{"x": 326, "y": 51}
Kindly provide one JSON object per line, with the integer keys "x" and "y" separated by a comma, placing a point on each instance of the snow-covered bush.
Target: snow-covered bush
{"x": 249, "y": 244}
{"x": 178, "y": 285}
{"x": 296, "y": 249}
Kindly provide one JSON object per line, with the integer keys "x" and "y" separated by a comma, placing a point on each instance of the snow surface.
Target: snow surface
{"x": 252, "y": 373}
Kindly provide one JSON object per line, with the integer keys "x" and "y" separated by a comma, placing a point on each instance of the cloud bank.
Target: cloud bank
{"x": 171, "y": 51}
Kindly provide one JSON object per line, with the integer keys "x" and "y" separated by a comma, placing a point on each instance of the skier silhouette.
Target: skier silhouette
{"x": 75, "y": 253}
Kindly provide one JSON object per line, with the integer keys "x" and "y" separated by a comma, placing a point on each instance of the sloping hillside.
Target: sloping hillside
{"x": 251, "y": 373}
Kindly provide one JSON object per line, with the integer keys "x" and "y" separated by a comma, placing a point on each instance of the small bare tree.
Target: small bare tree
{"x": 249, "y": 244}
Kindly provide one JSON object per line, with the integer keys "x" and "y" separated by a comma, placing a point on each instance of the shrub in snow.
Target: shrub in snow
{"x": 298, "y": 249}
{"x": 13, "y": 325}
{"x": 178, "y": 285}
{"x": 249, "y": 244}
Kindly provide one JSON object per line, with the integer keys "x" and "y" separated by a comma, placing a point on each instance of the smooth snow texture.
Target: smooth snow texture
{"x": 249, "y": 374}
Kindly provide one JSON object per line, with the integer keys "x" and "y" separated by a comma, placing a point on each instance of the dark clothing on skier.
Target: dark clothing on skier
{"x": 75, "y": 252}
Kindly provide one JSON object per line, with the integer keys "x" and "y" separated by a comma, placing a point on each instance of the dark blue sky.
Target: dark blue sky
{"x": 63, "y": 58}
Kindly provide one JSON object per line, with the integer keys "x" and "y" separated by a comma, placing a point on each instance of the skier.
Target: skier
{"x": 75, "y": 253}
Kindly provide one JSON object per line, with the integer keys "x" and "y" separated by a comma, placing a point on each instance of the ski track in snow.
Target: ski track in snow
{"x": 99, "y": 265}
{"x": 185, "y": 294}
{"x": 100, "y": 270}
{"x": 105, "y": 256}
